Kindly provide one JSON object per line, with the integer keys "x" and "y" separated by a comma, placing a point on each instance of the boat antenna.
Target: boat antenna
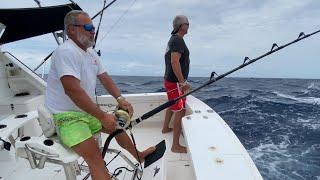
{"x": 211, "y": 80}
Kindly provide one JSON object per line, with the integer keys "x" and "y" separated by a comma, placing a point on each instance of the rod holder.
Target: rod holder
{"x": 212, "y": 75}
{"x": 273, "y": 46}
{"x": 301, "y": 35}
{"x": 246, "y": 59}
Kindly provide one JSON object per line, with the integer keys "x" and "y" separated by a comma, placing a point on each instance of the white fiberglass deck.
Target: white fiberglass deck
{"x": 177, "y": 166}
{"x": 215, "y": 151}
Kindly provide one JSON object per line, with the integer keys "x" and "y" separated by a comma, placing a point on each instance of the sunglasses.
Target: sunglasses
{"x": 87, "y": 27}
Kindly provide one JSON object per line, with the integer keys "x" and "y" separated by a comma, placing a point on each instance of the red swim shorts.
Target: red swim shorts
{"x": 173, "y": 91}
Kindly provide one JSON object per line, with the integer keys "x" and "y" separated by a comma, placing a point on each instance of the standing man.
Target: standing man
{"x": 71, "y": 91}
{"x": 175, "y": 79}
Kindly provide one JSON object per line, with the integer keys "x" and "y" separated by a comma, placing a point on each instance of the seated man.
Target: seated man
{"x": 71, "y": 91}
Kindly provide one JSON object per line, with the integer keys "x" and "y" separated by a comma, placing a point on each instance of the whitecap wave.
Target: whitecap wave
{"x": 314, "y": 85}
{"x": 306, "y": 100}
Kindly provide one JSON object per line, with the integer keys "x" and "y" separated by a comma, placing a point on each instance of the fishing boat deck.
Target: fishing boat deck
{"x": 214, "y": 151}
{"x": 177, "y": 166}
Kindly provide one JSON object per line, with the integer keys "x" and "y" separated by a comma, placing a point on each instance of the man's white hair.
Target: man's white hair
{"x": 177, "y": 22}
{"x": 71, "y": 18}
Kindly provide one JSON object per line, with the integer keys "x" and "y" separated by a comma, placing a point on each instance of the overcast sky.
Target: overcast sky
{"x": 134, "y": 35}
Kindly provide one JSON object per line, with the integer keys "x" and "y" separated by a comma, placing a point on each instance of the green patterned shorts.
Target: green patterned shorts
{"x": 75, "y": 127}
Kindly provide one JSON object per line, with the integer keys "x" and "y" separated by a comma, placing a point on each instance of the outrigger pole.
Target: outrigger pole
{"x": 100, "y": 12}
{"x": 101, "y": 15}
{"x": 103, "y": 9}
{"x": 212, "y": 79}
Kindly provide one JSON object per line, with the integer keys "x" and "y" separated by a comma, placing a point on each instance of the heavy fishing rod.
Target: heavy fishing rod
{"x": 100, "y": 12}
{"x": 212, "y": 79}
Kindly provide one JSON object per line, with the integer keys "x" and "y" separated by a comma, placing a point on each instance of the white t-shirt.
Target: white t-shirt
{"x": 70, "y": 59}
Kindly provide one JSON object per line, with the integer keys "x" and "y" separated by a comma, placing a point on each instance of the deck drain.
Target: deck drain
{"x": 212, "y": 148}
{"x": 205, "y": 117}
{"x": 197, "y": 111}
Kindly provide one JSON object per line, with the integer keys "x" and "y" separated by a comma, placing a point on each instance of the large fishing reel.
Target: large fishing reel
{"x": 123, "y": 118}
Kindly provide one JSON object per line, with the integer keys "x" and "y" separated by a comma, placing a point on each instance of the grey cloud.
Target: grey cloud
{"x": 222, "y": 33}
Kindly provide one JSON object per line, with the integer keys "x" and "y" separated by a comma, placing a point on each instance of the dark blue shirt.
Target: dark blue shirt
{"x": 177, "y": 44}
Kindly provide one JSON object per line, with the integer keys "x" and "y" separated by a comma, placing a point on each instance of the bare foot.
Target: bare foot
{"x": 166, "y": 130}
{"x": 146, "y": 152}
{"x": 179, "y": 149}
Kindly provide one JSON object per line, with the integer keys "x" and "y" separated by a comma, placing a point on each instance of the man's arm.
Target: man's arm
{"x": 73, "y": 89}
{"x": 114, "y": 91}
{"x": 175, "y": 63}
{"x": 109, "y": 85}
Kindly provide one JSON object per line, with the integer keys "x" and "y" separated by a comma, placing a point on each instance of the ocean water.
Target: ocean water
{"x": 277, "y": 120}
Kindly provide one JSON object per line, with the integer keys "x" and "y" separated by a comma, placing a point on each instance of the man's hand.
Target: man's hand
{"x": 109, "y": 122}
{"x": 185, "y": 87}
{"x": 125, "y": 105}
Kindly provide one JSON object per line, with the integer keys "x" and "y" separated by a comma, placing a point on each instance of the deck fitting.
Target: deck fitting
{"x": 210, "y": 111}
{"x": 219, "y": 161}
{"x": 212, "y": 148}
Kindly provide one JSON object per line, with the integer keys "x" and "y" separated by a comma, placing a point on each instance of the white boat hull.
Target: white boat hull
{"x": 214, "y": 151}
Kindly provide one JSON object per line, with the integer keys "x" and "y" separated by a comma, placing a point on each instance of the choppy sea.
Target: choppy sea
{"x": 277, "y": 120}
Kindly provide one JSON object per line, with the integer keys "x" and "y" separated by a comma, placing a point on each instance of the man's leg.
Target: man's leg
{"x": 176, "y": 147}
{"x": 74, "y": 131}
{"x": 125, "y": 142}
{"x": 165, "y": 128}
{"x": 90, "y": 152}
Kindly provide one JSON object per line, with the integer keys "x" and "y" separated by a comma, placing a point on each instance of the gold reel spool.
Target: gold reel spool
{"x": 123, "y": 118}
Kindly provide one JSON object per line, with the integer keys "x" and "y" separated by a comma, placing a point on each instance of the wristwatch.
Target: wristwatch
{"x": 120, "y": 98}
